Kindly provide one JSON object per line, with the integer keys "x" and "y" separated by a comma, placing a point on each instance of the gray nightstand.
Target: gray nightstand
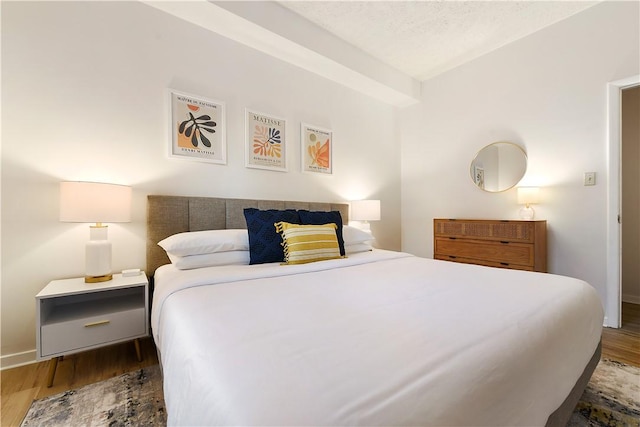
{"x": 73, "y": 316}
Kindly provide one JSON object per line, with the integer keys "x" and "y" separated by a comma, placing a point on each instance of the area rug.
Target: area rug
{"x": 612, "y": 398}
{"x": 131, "y": 399}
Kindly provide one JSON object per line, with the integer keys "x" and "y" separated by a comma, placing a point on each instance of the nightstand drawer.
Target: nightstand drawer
{"x": 76, "y": 334}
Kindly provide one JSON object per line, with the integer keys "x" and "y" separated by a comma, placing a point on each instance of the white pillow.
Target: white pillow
{"x": 353, "y": 235}
{"x": 206, "y": 242}
{"x": 357, "y": 247}
{"x": 210, "y": 260}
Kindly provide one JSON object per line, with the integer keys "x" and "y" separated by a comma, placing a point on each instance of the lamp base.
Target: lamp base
{"x": 98, "y": 256}
{"x": 98, "y": 279}
{"x": 365, "y": 226}
{"x": 527, "y": 213}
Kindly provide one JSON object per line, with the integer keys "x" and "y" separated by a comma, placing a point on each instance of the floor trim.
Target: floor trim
{"x": 17, "y": 359}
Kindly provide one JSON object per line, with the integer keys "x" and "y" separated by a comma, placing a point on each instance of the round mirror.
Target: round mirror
{"x": 498, "y": 166}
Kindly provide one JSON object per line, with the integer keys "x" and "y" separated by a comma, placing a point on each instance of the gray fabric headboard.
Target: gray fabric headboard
{"x": 167, "y": 215}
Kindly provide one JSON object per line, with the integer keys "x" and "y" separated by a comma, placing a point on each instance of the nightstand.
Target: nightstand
{"x": 73, "y": 316}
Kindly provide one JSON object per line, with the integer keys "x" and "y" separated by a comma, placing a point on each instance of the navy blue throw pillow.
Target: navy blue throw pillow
{"x": 319, "y": 218}
{"x": 265, "y": 244}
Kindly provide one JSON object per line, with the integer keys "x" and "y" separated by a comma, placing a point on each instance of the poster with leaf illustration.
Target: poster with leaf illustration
{"x": 266, "y": 146}
{"x": 317, "y": 147}
{"x": 197, "y": 128}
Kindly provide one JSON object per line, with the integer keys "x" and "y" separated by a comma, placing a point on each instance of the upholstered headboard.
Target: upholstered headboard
{"x": 167, "y": 215}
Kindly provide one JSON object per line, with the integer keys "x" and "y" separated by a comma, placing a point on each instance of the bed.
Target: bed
{"x": 376, "y": 338}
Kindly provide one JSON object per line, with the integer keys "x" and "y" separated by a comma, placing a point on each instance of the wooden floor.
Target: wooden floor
{"x": 20, "y": 386}
{"x": 623, "y": 344}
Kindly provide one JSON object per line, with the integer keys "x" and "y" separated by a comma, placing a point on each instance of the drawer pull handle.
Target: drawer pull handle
{"x": 101, "y": 322}
{"x": 452, "y": 257}
{"x": 452, "y": 238}
{"x": 504, "y": 263}
{"x": 504, "y": 242}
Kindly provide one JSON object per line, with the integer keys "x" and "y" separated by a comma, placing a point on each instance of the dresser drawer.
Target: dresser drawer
{"x": 495, "y": 252}
{"x": 76, "y": 334}
{"x": 512, "y": 231}
{"x": 484, "y": 262}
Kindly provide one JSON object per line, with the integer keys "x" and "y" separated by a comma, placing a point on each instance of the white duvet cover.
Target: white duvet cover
{"x": 379, "y": 338}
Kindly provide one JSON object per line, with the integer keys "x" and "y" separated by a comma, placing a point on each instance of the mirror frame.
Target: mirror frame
{"x": 473, "y": 167}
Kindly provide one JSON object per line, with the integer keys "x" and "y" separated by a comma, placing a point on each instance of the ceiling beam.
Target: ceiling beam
{"x": 280, "y": 33}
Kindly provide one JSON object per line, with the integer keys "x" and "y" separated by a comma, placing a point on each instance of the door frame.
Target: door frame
{"x": 613, "y": 304}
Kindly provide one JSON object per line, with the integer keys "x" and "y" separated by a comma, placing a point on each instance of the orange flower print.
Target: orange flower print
{"x": 320, "y": 154}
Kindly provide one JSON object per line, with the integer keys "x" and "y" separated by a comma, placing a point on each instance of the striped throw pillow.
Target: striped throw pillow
{"x": 308, "y": 243}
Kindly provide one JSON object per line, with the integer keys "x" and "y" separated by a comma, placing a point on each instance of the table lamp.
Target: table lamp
{"x": 97, "y": 203}
{"x": 527, "y": 196}
{"x": 365, "y": 211}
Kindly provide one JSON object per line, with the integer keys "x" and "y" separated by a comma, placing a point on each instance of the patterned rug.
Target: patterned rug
{"x": 132, "y": 399}
{"x": 612, "y": 398}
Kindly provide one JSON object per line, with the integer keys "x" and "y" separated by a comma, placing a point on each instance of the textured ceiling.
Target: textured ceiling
{"x": 425, "y": 38}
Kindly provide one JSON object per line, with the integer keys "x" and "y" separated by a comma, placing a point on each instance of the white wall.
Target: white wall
{"x": 83, "y": 98}
{"x": 546, "y": 92}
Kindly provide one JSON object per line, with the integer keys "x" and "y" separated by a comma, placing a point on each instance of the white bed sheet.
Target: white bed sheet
{"x": 381, "y": 338}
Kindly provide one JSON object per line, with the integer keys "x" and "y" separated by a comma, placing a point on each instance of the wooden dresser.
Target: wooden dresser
{"x": 520, "y": 245}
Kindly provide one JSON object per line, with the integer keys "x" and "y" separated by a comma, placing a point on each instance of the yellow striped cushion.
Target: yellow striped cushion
{"x": 308, "y": 243}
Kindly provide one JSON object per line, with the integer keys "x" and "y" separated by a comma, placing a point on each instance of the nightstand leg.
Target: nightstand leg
{"x": 136, "y": 342}
{"x": 53, "y": 364}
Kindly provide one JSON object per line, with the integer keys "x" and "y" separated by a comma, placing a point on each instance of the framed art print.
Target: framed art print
{"x": 197, "y": 127}
{"x": 317, "y": 149}
{"x": 265, "y": 141}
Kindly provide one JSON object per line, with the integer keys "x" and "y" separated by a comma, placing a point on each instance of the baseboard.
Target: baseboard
{"x": 17, "y": 359}
{"x": 606, "y": 324}
{"x": 633, "y": 299}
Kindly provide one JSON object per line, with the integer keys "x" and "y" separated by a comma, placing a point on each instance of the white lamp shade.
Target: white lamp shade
{"x": 94, "y": 202}
{"x": 365, "y": 210}
{"x": 528, "y": 195}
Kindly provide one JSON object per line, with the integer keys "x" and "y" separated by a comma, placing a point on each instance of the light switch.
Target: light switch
{"x": 589, "y": 178}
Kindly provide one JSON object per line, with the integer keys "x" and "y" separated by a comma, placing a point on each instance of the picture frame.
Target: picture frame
{"x": 265, "y": 141}
{"x": 316, "y": 149}
{"x": 197, "y": 128}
